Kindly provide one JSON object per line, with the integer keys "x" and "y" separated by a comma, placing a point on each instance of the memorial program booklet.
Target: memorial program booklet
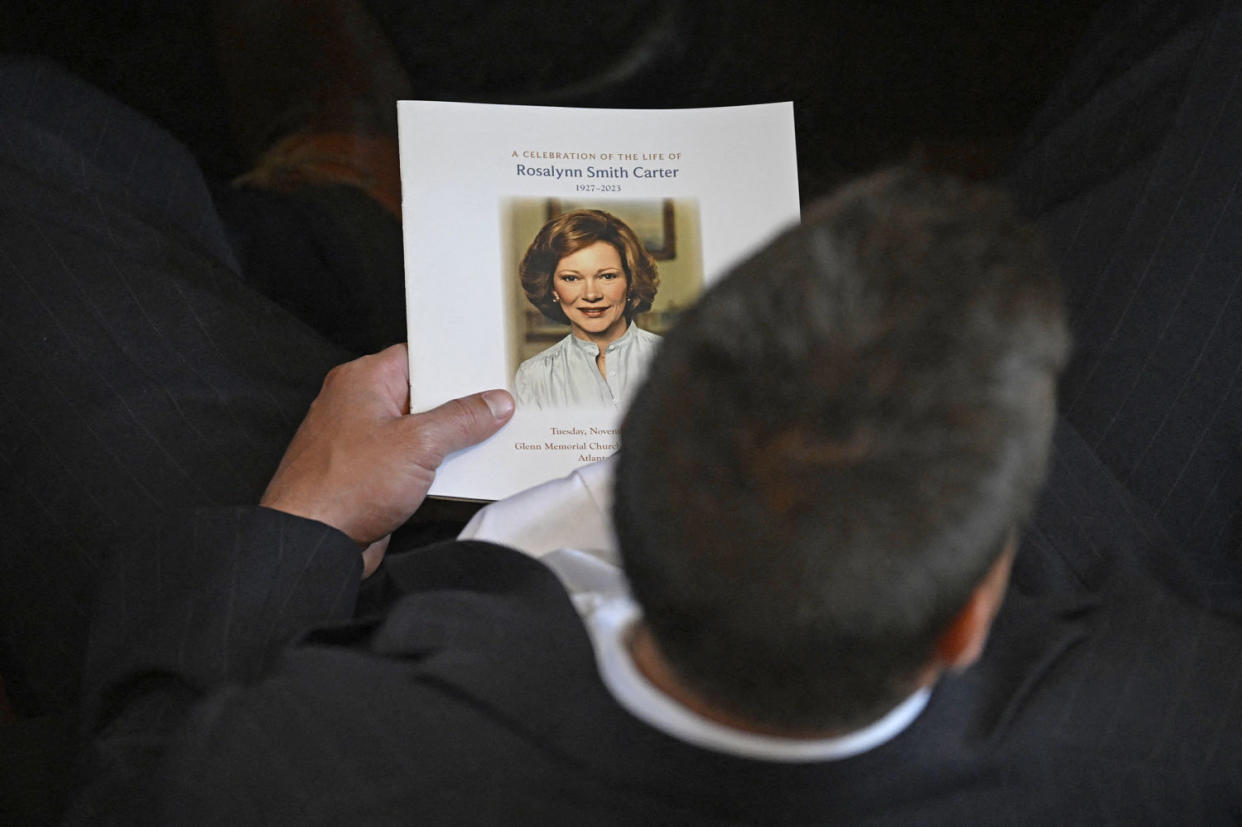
{"x": 695, "y": 189}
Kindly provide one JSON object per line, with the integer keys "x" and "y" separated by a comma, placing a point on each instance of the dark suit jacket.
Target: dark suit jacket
{"x": 467, "y": 693}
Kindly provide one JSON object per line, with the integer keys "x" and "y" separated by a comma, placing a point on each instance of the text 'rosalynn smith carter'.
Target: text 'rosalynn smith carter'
{"x": 595, "y": 172}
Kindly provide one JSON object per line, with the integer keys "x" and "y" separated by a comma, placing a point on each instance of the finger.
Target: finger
{"x": 373, "y": 555}
{"x": 458, "y": 424}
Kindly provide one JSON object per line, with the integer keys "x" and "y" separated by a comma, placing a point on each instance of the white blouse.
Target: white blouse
{"x": 565, "y": 375}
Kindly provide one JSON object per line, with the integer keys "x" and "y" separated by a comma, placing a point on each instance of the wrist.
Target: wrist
{"x": 309, "y": 510}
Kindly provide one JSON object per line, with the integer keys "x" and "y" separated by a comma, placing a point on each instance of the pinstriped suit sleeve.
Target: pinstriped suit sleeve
{"x": 206, "y": 601}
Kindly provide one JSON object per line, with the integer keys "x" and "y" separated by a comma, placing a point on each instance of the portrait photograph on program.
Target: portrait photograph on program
{"x": 596, "y": 285}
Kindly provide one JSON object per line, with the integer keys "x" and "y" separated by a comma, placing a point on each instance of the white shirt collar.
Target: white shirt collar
{"x": 574, "y": 511}
{"x": 609, "y": 623}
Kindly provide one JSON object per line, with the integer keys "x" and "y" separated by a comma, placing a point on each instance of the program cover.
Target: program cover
{"x": 548, "y": 249}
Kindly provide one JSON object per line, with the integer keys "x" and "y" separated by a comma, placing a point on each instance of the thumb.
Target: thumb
{"x": 458, "y": 424}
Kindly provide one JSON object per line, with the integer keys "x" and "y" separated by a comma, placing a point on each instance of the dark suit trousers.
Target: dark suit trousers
{"x": 141, "y": 373}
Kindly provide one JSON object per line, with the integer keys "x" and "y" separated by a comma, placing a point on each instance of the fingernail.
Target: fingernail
{"x": 500, "y": 403}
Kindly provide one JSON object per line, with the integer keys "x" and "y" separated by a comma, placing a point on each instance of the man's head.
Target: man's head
{"x": 834, "y": 447}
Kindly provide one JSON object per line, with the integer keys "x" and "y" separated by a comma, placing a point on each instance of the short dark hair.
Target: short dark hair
{"x": 572, "y": 231}
{"x": 833, "y": 446}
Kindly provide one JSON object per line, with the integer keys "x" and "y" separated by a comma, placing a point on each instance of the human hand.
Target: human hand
{"x": 360, "y": 464}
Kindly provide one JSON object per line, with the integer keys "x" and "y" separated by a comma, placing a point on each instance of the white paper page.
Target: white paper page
{"x": 702, "y": 187}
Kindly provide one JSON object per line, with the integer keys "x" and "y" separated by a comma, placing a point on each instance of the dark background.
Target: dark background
{"x": 952, "y": 82}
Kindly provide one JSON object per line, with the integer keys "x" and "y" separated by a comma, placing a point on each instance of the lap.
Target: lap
{"x": 140, "y": 372}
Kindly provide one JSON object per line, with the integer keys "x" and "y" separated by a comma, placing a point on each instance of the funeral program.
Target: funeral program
{"x": 549, "y": 251}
